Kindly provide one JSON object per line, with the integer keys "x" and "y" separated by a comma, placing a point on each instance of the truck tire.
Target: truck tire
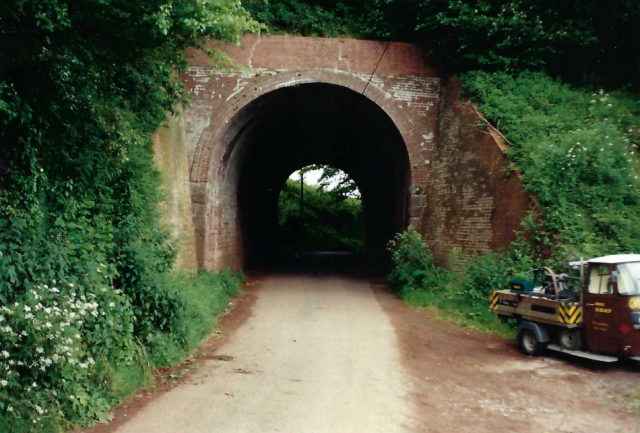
{"x": 530, "y": 344}
{"x": 571, "y": 339}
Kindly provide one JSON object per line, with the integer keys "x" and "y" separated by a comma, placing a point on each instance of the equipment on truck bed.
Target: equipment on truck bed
{"x": 596, "y": 317}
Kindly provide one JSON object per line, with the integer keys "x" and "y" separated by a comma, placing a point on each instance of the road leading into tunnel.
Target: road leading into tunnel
{"x": 317, "y": 353}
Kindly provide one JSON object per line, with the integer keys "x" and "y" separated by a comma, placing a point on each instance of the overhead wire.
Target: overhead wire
{"x": 376, "y": 68}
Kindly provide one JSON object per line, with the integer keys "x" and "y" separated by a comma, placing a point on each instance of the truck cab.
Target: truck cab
{"x": 611, "y": 305}
{"x": 600, "y": 321}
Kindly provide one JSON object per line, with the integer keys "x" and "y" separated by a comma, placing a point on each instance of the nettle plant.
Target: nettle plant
{"x": 55, "y": 339}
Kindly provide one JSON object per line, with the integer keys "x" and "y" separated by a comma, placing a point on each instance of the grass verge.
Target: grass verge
{"x": 203, "y": 298}
{"x": 461, "y": 311}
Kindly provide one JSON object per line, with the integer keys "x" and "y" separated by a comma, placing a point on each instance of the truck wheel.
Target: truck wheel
{"x": 571, "y": 339}
{"x": 530, "y": 344}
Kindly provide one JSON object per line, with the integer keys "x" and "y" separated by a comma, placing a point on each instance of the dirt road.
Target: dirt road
{"x": 333, "y": 354}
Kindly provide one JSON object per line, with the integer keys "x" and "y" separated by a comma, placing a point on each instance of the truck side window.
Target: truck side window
{"x": 628, "y": 279}
{"x": 600, "y": 280}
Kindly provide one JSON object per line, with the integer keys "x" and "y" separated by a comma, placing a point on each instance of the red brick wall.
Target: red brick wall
{"x": 471, "y": 204}
{"x": 446, "y": 189}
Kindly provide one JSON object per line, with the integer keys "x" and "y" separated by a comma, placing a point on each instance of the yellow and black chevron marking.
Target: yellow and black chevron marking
{"x": 570, "y": 313}
{"x": 493, "y": 300}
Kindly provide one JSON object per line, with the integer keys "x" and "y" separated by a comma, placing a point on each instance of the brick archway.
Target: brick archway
{"x": 215, "y": 172}
{"x": 457, "y": 195}
{"x": 209, "y": 154}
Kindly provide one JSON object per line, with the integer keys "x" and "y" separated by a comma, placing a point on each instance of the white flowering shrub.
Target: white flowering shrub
{"x": 55, "y": 340}
{"x": 577, "y": 152}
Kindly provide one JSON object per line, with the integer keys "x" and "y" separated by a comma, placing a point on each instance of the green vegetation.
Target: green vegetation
{"x": 459, "y": 291}
{"x": 330, "y": 221}
{"x": 512, "y": 35}
{"x": 88, "y": 306}
{"x": 202, "y": 299}
{"x": 577, "y": 152}
{"x": 305, "y": 18}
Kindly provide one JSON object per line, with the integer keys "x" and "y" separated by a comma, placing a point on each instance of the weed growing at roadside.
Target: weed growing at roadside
{"x": 460, "y": 290}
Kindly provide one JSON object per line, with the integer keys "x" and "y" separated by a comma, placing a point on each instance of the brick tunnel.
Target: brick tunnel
{"x": 381, "y": 112}
{"x": 294, "y": 127}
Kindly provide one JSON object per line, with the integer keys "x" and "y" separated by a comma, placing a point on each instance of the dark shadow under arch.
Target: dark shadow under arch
{"x": 293, "y": 127}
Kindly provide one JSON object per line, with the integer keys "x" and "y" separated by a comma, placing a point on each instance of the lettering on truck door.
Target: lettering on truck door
{"x": 599, "y": 311}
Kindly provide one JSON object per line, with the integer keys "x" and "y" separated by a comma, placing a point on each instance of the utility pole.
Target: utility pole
{"x": 301, "y": 195}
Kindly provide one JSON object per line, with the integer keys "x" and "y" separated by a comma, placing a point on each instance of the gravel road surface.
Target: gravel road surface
{"x": 333, "y": 354}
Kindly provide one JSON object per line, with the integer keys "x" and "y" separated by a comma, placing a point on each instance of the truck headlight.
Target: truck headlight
{"x": 634, "y": 304}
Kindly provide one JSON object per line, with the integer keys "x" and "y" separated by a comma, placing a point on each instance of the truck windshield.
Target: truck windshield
{"x": 629, "y": 278}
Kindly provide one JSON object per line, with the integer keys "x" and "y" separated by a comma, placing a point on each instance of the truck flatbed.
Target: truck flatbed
{"x": 536, "y": 307}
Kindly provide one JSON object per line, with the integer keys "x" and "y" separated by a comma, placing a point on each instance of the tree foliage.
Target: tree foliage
{"x": 602, "y": 37}
{"x": 335, "y": 181}
{"x": 329, "y": 222}
{"x": 514, "y": 35}
{"x": 83, "y": 85}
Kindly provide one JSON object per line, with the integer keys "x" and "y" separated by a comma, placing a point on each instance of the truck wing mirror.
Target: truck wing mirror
{"x": 614, "y": 276}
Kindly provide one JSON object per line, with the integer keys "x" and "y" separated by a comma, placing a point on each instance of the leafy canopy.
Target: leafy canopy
{"x": 602, "y": 37}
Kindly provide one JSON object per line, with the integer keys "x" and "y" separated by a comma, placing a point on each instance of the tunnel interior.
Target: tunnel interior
{"x": 293, "y": 127}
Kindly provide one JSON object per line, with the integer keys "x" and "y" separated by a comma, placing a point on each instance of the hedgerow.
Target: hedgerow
{"x": 84, "y": 264}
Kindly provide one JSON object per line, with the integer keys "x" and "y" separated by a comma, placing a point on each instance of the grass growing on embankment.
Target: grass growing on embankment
{"x": 203, "y": 298}
{"x": 458, "y": 309}
{"x": 577, "y": 152}
{"x": 460, "y": 296}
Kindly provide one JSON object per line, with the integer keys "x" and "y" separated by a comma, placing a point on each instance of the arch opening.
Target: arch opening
{"x": 294, "y": 127}
{"x": 319, "y": 210}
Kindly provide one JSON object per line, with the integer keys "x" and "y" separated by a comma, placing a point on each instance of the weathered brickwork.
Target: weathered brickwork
{"x": 471, "y": 203}
{"x": 455, "y": 191}
{"x": 170, "y": 154}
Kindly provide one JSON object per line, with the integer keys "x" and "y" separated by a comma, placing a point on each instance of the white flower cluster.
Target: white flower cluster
{"x": 41, "y": 337}
{"x": 51, "y": 322}
{"x": 619, "y": 147}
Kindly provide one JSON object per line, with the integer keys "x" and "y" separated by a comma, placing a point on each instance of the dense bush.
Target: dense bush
{"x": 579, "y": 40}
{"x": 414, "y": 267}
{"x": 304, "y": 18}
{"x": 461, "y": 290}
{"x": 70, "y": 353}
{"x": 83, "y": 261}
{"x": 577, "y": 152}
{"x": 330, "y": 222}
